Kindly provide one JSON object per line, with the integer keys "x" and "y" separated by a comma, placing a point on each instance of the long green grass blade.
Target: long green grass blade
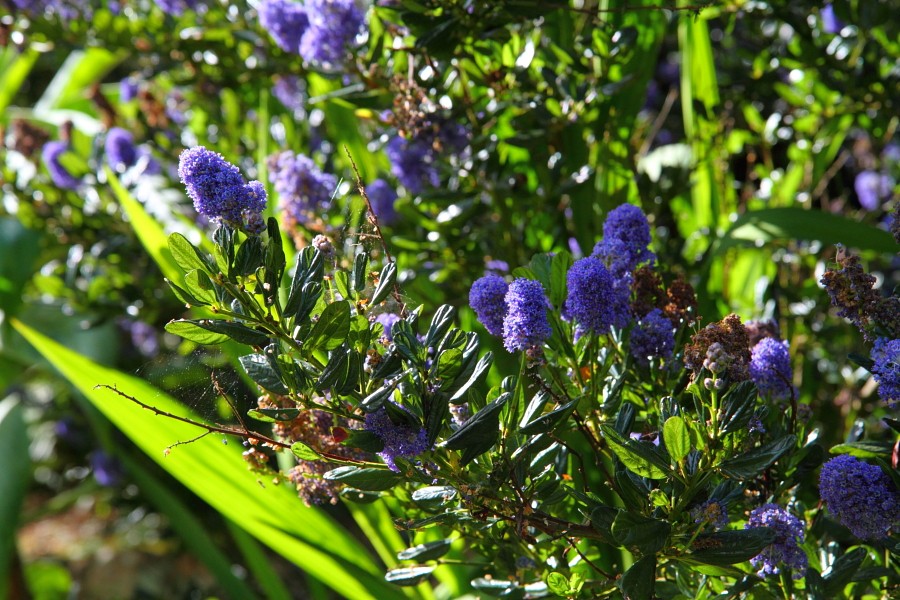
{"x": 189, "y": 529}
{"x": 259, "y": 566}
{"x": 15, "y": 469}
{"x": 15, "y": 65}
{"x": 306, "y": 536}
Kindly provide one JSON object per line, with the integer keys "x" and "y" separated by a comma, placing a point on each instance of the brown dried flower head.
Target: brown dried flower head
{"x": 731, "y": 334}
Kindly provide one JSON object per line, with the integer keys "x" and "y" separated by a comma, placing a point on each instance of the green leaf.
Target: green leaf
{"x": 186, "y": 254}
{"x": 548, "y": 422}
{"x": 368, "y": 479}
{"x": 864, "y": 449}
{"x": 250, "y": 256}
{"x": 789, "y": 224}
{"x": 448, "y": 366}
{"x": 842, "y": 571}
{"x": 15, "y": 471}
{"x": 260, "y": 370}
{"x": 17, "y": 263}
{"x": 639, "y": 581}
{"x": 183, "y": 295}
{"x": 677, "y": 438}
{"x": 480, "y": 432}
{"x": 558, "y": 584}
{"x": 642, "y": 458}
{"x": 636, "y": 531}
{"x": 385, "y": 283}
{"x": 481, "y": 369}
{"x": 360, "y": 262}
{"x": 193, "y": 330}
{"x": 148, "y": 230}
{"x": 274, "y": 259}
{"x": 559, "y": 267}
{"x": 754, "y": 462}
{"x": 195, "y": 534}
{"x": 737, "y": 407}
{"x": 366, "y": 441}
{"x": 15, "y": 64}
{"x": 408, "y": 576}
{"x": 332, "y": 328}
{"x": 304, "y": 452}
{"x": 427, "y": 551}
{"x": 189, "y": 330}
{"x": 308, "y": 270}
{"x": 198, "y": 285}
{"x": 432, "y": 496}
{"x": 218, "y": 475}
{"x": 274, "y": 415}
{"x": 440, "y": 324}
{"x": 731, "y": 547}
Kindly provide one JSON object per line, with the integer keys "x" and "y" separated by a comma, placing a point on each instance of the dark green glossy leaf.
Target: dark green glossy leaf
{"x": 434, "y": 495}
{"x": 359, "y": 272}
{"x": 274, "y": 415}
{"x": 481, "y": 368}
{"x": 642, "y": 458}
{"x": 559, "y": 267}
{"x": 440, "y": 324}
{"x": 737, "y": 407}
{"x": 408, "y": 576}
{"x": 864, "y": 449}
{"x": 751, "y": 464}
{"x": 229, "y": 329}
{"x": 223, "y": 237}
{"x": 637, "y": 531}
{"x": 385, "y": 283}
{"x": 275, "y": 260}
{"x": 250, "y": 256}
{"x": 336, "y": 370}
{"x": 548, "y": 422}
{"x": 368, "y": 479}
{"x": 448, "y": 366}
{"x": 842, "y": 571}
{"x": 731, "y": 547}
{"x": 261, "y": 370}
{"x": 427, "y": 551}
{"x": 494, "y": 587}
{"x": 332, "y": 328}
{"x": 480, "y": 432}
{"x": 342, "y": 283}
{"x": 308, "y": 270}
{"x": 366, "y": 441}
{"x": 376, "y": 399}
{"x": 639, "y": 581}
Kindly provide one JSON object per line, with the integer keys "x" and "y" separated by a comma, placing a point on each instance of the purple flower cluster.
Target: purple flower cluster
{"x": 219, "y": 191}
{"x": 626, "y": 235}
{"x": 176, "y": 7}
{"x": 414, "y": 161}
{"x": 288, "y": 89}
{"x": 487, "y": 297}
{"x": 872, "y": 188}
{"x": 319, "y": 30}
{"x": 383, "y": 196}
{"x": 653, "y": 337}
{"x": 301, "y": 186}
{"x": 387, "y": 321}
{"x": 401, "y": 440}
{"x": 525, "y": 326}
{"x": 711, "y": 512}
{"x": 770, "y": 368}
{"x": 121, "y": 152}
{"x": 862, "y": 496}
{"x": 61, "y": 177}
{"x": 785, "y": 550}
{"x": 886, "y": 370}
{"x": 594, "y": 301}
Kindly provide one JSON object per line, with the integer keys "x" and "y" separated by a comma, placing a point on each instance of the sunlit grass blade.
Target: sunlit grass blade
{"x": 273, "y": 514}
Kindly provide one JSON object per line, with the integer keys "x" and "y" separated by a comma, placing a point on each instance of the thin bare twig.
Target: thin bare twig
{"x": 574, "y": 546}
{"x": 251, "y": 436}
{"x": 373, "y": 219}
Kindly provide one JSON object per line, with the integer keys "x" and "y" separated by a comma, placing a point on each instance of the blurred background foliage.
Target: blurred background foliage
{"x": 755, "y": 135}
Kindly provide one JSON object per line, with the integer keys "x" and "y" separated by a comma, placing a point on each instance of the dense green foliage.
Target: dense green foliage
{"x": 754, "y": 136}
